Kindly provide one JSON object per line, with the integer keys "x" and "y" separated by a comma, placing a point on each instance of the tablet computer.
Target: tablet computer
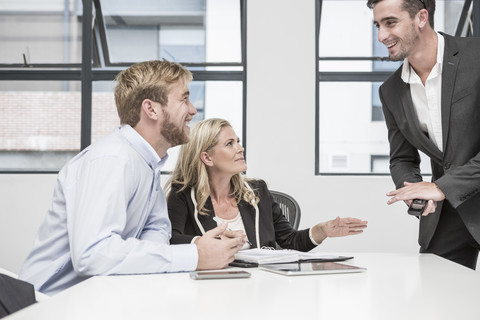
{"x": 306, "y": 268}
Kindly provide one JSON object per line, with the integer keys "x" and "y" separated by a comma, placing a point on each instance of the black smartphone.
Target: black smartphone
{"x": 201, "y": 275}
{"x": 243, "y": 264}
{"x": 417, "y": 207}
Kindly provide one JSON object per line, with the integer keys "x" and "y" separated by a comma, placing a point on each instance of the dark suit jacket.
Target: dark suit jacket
{"x": 14, "y": 295}
{"x": 273, "y": 226}
{"x": 456, "y": 171}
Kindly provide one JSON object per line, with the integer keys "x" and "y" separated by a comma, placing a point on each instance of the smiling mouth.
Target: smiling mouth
{"x": 391, "y": 44}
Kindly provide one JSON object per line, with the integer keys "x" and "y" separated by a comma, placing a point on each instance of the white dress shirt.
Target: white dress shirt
{"x": 108, "y": 216}
{"x": 427, "y": 99}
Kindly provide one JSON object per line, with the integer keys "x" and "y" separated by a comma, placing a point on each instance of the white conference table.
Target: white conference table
{"x": 395, "y": 286}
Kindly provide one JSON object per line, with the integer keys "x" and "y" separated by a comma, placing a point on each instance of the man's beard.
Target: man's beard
{"x": 408, "y": 43}
{"x": 174, "y": 135}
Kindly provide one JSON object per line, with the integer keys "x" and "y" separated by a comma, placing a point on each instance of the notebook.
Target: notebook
{"x": 268, "y": 256}
{"x": 307, "y": 268}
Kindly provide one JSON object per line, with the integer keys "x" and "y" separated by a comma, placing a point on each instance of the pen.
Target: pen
{"x": 249, "y": 243}
{"x": 219, "y": 238}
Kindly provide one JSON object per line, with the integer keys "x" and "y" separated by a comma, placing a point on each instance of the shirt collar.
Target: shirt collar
{"x": 140, "y": 145}
{"x": 410, "y": 76}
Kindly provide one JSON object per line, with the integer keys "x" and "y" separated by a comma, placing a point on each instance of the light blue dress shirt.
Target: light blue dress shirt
{"x": 108, "y": 216}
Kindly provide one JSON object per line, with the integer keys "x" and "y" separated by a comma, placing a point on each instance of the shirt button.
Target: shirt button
{"x": 447, "y": 165}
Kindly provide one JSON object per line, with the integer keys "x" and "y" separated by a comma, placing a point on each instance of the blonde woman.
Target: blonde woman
{"x": 207, "y": 187}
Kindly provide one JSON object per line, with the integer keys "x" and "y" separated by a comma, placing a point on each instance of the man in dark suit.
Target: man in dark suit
{"x": 432, "y": 104}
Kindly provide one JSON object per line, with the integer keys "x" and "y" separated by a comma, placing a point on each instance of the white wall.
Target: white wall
{"x": 24, "y": 200}
{"x": 280, "y": 142}
{"x": 281, "y": 132}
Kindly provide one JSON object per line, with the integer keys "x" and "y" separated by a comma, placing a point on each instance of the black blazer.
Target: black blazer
{"x": 273, "y": 226}
{"x": 456, "y": 170}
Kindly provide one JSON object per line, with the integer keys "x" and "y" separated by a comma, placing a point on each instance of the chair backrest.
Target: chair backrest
{"x": 289, "y": 206}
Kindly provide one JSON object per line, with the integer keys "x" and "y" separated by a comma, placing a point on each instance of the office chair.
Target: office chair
{"x": 289, "y": 206}
{"x": 15, "y": 294}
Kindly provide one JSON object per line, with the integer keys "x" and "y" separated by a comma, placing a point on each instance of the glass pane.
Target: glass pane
{"x": 182, "y": 31}
{"x": 40, "y": 127}
{"x": 377, "y": 112}
{"x": 360, "y": 34}
{"x": 380, "y": 164}
{"x": 222, "y": 99}
{"x": 349, "y": 139}
{"x": 40, "y": 32}
{"x": 104, "y": 112}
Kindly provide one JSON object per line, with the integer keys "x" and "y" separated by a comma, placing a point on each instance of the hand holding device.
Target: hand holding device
{"x": 417, "y": 207}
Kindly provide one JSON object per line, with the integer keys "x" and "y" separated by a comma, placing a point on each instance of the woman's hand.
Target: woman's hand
{"x": 339, "y": 227}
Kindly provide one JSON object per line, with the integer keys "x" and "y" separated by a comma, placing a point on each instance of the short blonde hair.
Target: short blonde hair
{"x": 146, "y": 80}
{"x": 190, "y": 171}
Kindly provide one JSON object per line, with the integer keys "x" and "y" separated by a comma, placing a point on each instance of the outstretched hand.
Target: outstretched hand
{"x": 339, "y": 227}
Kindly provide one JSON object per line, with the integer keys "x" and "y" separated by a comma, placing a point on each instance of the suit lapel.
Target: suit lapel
{"x": 207, "y": 220}
{"x": 450, "y": 65}
{"x": 248, "y": 217}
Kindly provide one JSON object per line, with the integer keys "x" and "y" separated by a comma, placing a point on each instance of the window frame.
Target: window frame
{"x": 96, "y": 66}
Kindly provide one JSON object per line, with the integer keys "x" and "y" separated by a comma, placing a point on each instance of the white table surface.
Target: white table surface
{"x": 395, "y": 286}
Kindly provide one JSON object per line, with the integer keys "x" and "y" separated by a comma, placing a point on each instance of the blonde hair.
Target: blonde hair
{"x": 146, "y": 80}
{"x": 191, "y": 172}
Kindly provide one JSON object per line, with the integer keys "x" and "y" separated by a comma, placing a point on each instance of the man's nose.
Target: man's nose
{"x": 382, "y": 34}
{"x": 192, "y": 110}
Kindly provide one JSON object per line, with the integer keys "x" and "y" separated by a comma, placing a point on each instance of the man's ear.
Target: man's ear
{"x": 423, "y": 18}
{"x": 206, "y": 159}
{"x": 150, "y": 109}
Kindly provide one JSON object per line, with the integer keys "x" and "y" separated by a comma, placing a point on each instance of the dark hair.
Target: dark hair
{"x": 412, "y": 7}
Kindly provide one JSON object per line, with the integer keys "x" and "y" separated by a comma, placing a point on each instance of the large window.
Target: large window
{"x": 351, "y": 136}
{"x": 57, "y": 72}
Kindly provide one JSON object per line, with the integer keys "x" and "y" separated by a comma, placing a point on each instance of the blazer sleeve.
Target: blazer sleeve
{"x": 404, "y": 158}
{"x": 461, "y": 163}
{"x": 461, "y": 183}
{"x": 179, "y": 209}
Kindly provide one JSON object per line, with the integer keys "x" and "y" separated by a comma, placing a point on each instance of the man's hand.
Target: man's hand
{"x": 418, "y": 190}
{"x": 231, "y": 234}
{"x": 215, "y": 252}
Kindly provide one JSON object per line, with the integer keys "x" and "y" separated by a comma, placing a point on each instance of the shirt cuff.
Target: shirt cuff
{"x": 311, "y": 237}
{"x": 194, "y": 238}
{"x": 184, "y": 257}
